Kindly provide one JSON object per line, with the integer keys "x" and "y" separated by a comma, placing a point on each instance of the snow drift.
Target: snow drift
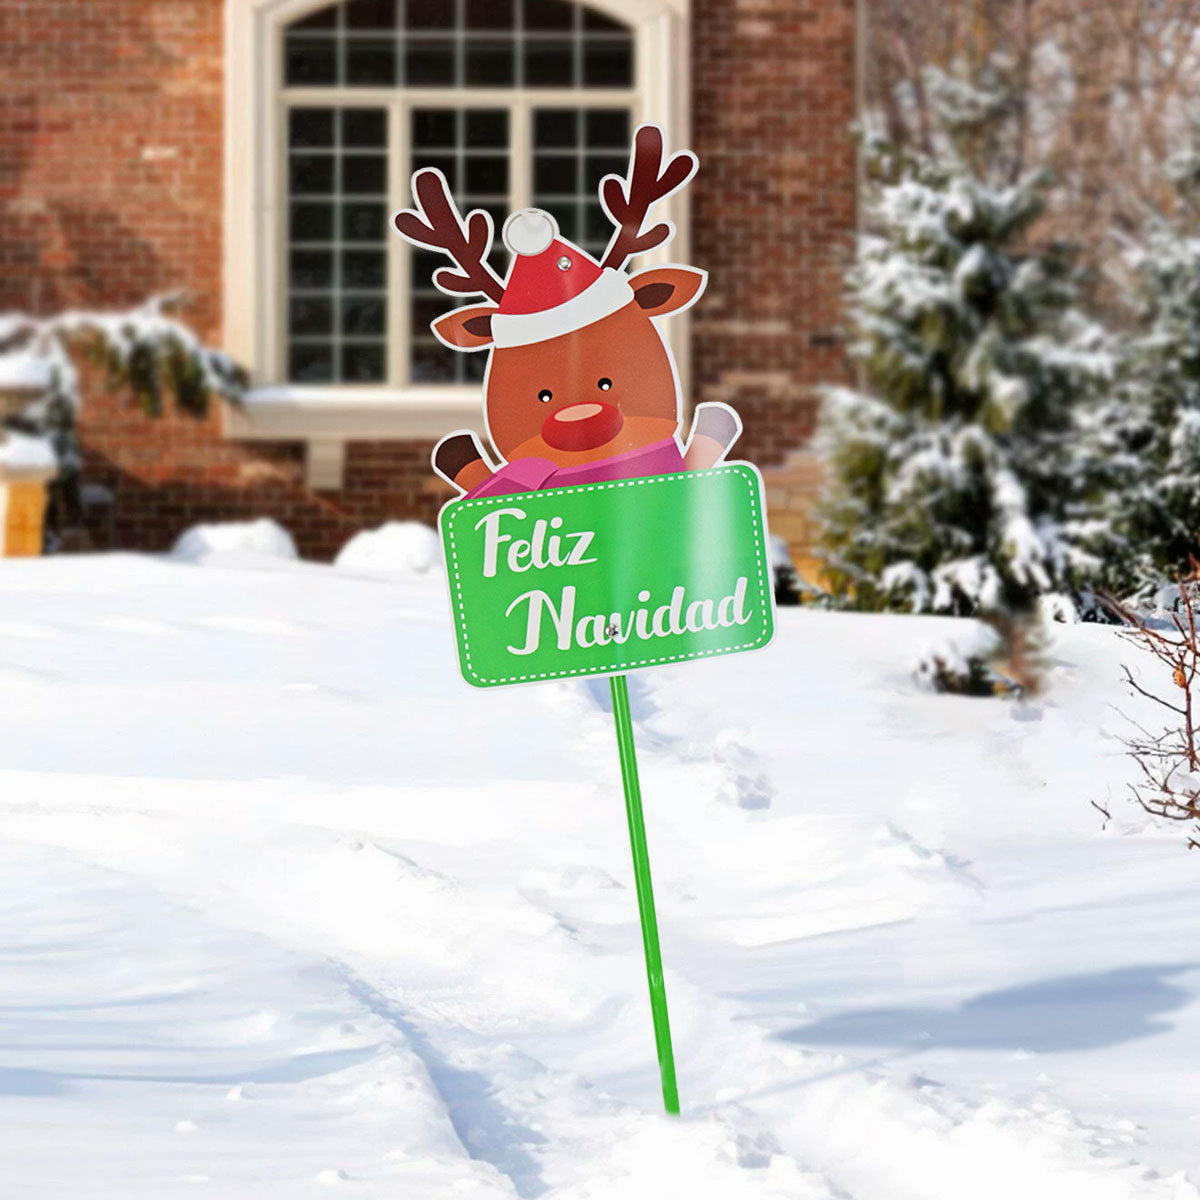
{"x": 287, "y": 910}
{"x": 397, "y": 548}
{"x": 263, "y": 537}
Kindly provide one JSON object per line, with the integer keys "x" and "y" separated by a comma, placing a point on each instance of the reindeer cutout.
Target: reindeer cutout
{"x": 580, "y": 384}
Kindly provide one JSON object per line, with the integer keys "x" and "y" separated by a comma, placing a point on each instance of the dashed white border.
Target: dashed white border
{"x": 451, "y": 510}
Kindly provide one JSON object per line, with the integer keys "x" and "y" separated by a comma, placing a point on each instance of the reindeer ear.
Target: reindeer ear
{"x": 662, "y": 290}
{"x": 465, "y": 328}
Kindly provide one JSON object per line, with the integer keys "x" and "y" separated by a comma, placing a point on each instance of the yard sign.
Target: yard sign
{"x": 608, "y": 577}
{"x": 599, "y": 543}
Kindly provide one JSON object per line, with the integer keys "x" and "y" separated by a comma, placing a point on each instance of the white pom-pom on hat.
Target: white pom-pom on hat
{"x": 529, "y": 231}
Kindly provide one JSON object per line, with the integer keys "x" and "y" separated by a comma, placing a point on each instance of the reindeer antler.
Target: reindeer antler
{"x": 443, "y": 229}
{"x": 627, "y": 206}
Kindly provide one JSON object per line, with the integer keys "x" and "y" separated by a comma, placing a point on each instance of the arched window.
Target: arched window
{"x": 516, "y": 101}
{"x": 331, "y": 107}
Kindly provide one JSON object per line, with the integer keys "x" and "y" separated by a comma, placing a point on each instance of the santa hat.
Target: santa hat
{"x": 553, "y": 287}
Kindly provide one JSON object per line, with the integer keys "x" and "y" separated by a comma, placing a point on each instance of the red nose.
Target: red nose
{"x": 582, "y": 426}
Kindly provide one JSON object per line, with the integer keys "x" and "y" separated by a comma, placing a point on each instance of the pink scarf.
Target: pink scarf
{"x": 533, "y": 474}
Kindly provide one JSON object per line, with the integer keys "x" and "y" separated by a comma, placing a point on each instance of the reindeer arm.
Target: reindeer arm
{"x": 458, "y": 459}
{"x": 715, "y": 428}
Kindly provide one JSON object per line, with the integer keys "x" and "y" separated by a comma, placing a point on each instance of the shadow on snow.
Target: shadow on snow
{"x": 1068, "y": 1013}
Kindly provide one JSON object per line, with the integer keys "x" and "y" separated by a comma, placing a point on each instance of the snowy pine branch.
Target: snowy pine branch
{"x": 153, "y": 352}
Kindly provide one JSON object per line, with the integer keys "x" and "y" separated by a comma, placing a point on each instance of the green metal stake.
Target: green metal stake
{"x": 645, "y": 892}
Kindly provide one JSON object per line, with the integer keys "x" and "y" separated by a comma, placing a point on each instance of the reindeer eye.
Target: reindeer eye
{"x": 604, "y": 384}
{"x": 545, "y": 395}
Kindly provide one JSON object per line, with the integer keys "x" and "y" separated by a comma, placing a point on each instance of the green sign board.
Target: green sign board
{"x": 608, "y": 577}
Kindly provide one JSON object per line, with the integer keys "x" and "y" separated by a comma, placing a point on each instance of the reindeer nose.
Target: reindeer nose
{"x": 582, "y": 426}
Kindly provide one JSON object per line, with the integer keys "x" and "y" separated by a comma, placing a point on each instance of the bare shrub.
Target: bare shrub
{"x": 1168, "y": 758}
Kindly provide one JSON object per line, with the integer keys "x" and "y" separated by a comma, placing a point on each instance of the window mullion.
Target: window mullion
{"x": 399, "y": 306}
{"x": 520, "y": 149}
{"x": 339, "y": 204}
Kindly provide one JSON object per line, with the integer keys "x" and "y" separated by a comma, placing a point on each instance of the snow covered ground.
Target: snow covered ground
{"x": 289, "y": 910}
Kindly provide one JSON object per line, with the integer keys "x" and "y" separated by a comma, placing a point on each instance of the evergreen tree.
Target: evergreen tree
{"x": 965, "y": 475}
{"x": 1154, "y": 421}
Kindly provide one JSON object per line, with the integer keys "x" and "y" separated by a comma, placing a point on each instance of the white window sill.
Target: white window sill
{"x": 298, "y": 412}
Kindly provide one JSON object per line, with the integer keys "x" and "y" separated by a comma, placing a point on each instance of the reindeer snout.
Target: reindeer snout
{"x": 582, "y": 426}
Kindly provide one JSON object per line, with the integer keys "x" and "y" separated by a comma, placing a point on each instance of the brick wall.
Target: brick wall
{"x": 773, "y": 208}
{"x": 110, "y": 152}
{"x": 110, "y": 189}
{"x": 174, "y": 471}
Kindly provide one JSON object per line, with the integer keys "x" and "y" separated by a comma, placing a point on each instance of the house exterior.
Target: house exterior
{"x": 250, "y": 153}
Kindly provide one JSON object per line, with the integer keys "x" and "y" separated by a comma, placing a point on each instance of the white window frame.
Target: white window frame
{"x": 256, "y": 103}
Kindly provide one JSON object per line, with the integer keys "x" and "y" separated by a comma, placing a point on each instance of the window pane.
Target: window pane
{"x": 608, "y": 64}
{"x": 549, "y": 63}
{"x": 311, "y": 223}
{"x": 487, "y": 174}
{"x": 599, "y": 165}
{"x": 431, "y": 362}
{"x": 362, "y": 363}
{"x": 597, "y": 226}
{"x": 323, "y": 18}
{"x": 472, "y": 366}
{"x": 311, "y": 269}
{"x": 364, "y": 127}
{"x": 429, "y": 14}
{"x": 309, "y": 315}
{"x": 310, "y": 61}
{"x": 310, "y": 173}
{"x": 555, "y": 127}
{"x": 549, "y": 14}
{"x": 310, "y": 127}
{"x": 363, "y": 314}
{"x": 425, "y": 309}
{"x": 489, "y": 14}
{"x": 371, "y": 14}
{"x": 362, "y": 268}
{"x": 554, "y": 174}
{"x": 309, "y": 363}
{"x": 607, "y": 127}
{"x": 424, "y": 263}
{"x": 430, "y": 63}
{"x": 364, "y": 173}
{"x": 370, "y": 63}
{"x": 593, "y": 20}
{"x": 363, "y": 222}
{"x": 486, "y": 128}
{"x": 568, "y": 215}
{"x": 434, "y": 127}
{"x": 490, "y": 63}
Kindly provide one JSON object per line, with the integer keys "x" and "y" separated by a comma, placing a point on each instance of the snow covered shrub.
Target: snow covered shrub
{"x": 1168, "y": 757}
{"x": 964, "y": 475}
{"x": 397, "y": 548}
{"x": 262, "y": 538}
{"x": 946, "y": 668}
{"x": 143, "y": 348}
{"x": 966, "y": 666}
